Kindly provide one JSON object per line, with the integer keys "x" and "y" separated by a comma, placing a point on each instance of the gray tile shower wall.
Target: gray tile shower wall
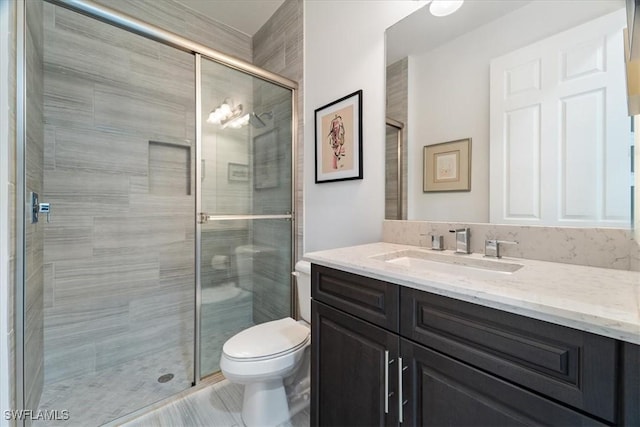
{"x": 277, "y": 47}
{"x": 119, "y": 251}
{"x": 34, "y": 233}
{"x": 596, "y": 247}
{"x": 173, "y": 16}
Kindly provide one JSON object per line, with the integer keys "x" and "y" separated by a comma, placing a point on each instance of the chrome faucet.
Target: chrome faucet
{"x": 463, "y": 240}
{"x": 492, "y": 247}
{"x": 437, "y": 241}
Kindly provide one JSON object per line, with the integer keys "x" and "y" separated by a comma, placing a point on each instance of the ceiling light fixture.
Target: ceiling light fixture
{"x": 441, "y": 8}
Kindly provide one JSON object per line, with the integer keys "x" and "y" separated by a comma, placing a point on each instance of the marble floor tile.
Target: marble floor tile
{"x": 217, "y": 405}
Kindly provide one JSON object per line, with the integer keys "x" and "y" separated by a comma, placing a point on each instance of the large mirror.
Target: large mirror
{"x": 539, "y": 88}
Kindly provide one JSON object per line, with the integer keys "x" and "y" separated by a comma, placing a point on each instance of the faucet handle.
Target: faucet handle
{"x": 492, "y": 247}
{"x": 437, "y": 242}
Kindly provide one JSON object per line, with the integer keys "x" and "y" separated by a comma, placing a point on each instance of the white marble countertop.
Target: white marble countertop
{"x": 598, "y": 300}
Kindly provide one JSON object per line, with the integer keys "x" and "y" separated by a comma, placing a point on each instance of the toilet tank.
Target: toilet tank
{"x": 246, "y": 257}
{"x": 303, "y": 283}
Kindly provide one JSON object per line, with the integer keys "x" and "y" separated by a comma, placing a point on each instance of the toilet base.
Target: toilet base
{"x": 265, "y": 404}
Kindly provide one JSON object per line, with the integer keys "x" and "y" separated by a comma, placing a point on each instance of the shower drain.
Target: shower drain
{"x": 165, "y": 378}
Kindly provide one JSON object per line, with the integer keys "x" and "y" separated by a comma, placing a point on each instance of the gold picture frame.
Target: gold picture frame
{"x": 447, "y": 166}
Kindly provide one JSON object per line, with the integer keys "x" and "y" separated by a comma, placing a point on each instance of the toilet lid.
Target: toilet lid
{"x": 267, "y": 339}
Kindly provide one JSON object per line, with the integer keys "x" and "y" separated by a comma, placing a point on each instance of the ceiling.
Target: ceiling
{"x": 421, "y": 31}
{"x": 247, "y": 16}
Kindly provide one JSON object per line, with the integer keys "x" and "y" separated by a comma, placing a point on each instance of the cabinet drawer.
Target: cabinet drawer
{"x": 372, "y": 300}
{"x": 568, "y": 365}
{"x": 446, "y": 392}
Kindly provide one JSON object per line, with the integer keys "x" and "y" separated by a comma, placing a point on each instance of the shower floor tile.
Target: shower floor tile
{"x": 97, "y": 398}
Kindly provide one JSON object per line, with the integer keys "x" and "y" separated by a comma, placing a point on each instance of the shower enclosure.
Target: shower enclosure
{"x": 158, "y": 216}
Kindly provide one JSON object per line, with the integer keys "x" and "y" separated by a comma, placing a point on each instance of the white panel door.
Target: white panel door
{"x": 559, "y": 131}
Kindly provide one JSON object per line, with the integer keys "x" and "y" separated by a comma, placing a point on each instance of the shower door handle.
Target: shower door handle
{"x": 204, "y": 217}
{"x": 37, "y": 208}
{"x": 46, "y": 209}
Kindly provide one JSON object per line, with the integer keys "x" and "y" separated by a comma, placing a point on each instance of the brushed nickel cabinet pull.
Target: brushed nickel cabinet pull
{"x": 400, "y": 401}
{"x": 386, "y": 381}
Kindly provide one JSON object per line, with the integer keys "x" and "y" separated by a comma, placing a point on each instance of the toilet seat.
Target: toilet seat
{"x": 267, "y": 341}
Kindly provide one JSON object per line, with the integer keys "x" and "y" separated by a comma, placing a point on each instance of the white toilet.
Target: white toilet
{"x": 262, "y": 356}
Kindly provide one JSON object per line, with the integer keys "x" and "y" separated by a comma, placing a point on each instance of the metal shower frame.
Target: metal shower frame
{"x": 152, "y": 32}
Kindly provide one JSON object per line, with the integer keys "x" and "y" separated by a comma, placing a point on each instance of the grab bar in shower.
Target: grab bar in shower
{"x": 203, "y": 217}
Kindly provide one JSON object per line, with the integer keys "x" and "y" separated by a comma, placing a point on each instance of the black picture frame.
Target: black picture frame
{"x": 338, "y": 140}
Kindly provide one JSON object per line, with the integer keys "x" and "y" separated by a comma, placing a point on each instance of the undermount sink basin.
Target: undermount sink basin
{"x": 447, "y": 262}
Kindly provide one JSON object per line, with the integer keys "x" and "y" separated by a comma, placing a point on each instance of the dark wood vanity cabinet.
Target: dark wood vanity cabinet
{"x": 354, "y": 346}
{"x": 349, "y": 370}
{"x": 385, "y": 355}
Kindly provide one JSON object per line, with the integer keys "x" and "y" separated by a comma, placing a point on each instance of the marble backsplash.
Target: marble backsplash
{"x": 596, "y": 247}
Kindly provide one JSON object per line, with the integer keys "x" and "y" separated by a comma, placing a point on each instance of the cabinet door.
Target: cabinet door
{"x": 574, "y": 367}
{"x": 442, "y": 391}
{"x": 348, "y": 371}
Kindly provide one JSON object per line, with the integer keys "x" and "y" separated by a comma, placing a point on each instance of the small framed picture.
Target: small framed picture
{"x": 338, "y": 127}
{"x": 447, "y": 166}
{"x": 237, "y": 172}
{"x": 265, "y": 160}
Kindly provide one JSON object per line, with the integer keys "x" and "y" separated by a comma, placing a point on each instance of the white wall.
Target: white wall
{"x": 449, "y": 99}
{"x": 344, "y": 51}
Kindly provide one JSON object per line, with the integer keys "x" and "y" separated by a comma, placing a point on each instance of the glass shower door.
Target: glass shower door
{"x": 109, "y": 279}
{"x": 246, "y": 206}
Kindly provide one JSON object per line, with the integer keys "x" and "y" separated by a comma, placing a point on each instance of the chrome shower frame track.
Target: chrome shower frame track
{"x": 21, "y": 200}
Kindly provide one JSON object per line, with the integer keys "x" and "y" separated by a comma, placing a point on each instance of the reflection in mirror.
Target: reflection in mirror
{"x": 393, "y": 170}
{"x": 540, "y": 88}
{"x": 395, "y": 147}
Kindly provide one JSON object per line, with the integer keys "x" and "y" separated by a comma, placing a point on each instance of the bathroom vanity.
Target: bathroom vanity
{"x": 405, "y": 336}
